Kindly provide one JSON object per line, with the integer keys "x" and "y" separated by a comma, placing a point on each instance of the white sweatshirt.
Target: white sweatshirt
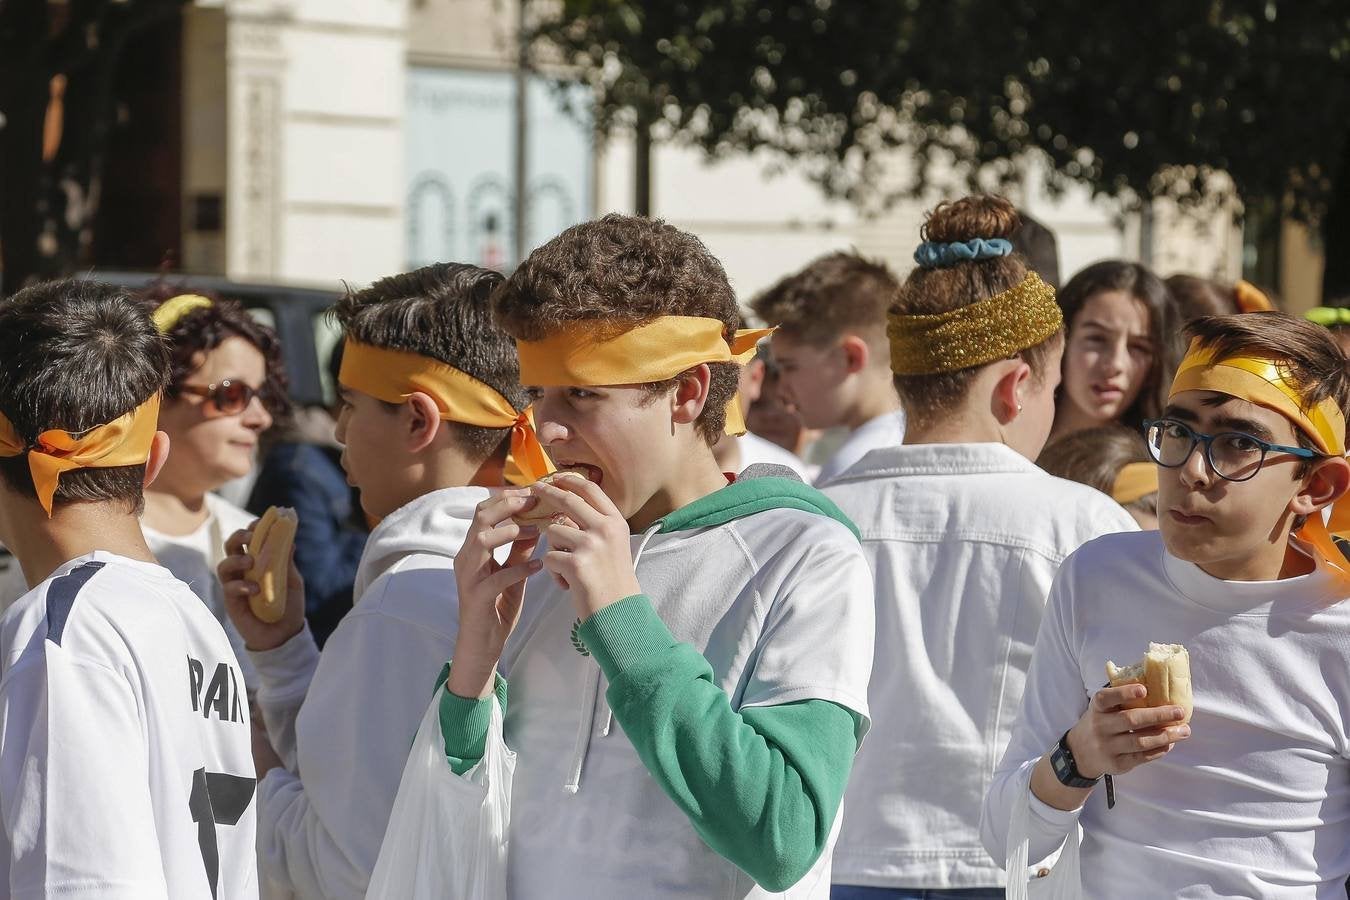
{"x": 343, "y": 722}
{"x": 1257, "y": 802}
{"x": 125, "y": 766}
{"x": 778, "y": 602}
{"x": 964, "y": 541}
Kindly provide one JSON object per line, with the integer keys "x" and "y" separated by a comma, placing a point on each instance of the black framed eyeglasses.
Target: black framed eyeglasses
{"x": 227, "y": 397}
{"x": 1233, "y": 455}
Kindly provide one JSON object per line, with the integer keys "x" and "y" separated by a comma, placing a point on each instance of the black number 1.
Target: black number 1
{"x": 217, "y": 799}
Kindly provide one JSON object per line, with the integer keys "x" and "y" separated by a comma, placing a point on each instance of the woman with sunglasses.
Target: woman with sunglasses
{"x": 227, "y": 386}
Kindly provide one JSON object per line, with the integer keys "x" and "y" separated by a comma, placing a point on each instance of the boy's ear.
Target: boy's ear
{"x": 856, "y": 353}
{"x": 1008, "y": 390}
{"x": 421, "y": 421}
{"x": 1328, "y": 481}
{"x": 159, "y": 454}
{"x": 690, "y": 394}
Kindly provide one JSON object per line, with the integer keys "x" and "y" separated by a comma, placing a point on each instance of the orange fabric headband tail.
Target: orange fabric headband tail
{"x": 394, "y": 375}
{"x": 125, "y": 441}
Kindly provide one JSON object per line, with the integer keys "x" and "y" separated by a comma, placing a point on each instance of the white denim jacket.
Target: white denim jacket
{"x": 964, "y": 541}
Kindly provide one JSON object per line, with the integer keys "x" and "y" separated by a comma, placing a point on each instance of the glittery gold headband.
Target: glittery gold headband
{"x": 1002, "y": 326}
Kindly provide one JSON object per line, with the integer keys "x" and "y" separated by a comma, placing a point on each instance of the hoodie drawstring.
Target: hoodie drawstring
{"x": 590, "y": 694}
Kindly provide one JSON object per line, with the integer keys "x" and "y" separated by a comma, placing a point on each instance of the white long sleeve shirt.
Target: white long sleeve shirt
{"x": 1256, "y": 803}
{"x": 125, "y": 765}
{"x": 963, "y": 541}
{"x": 343, "y": 722}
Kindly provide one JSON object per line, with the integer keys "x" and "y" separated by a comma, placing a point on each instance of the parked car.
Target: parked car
{"x": 297, "y": 314}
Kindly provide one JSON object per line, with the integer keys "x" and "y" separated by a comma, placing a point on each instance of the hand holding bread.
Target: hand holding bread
{"x": 264, "y": 594}
{"x": 1165, "y": 672}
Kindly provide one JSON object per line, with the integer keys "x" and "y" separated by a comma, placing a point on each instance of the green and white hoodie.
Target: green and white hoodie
{"x": 738, "y": 681}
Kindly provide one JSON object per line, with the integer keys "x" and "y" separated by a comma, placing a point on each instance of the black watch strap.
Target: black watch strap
{"x": 1066, "y": 770}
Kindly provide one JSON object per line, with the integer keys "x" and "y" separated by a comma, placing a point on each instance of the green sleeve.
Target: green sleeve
{"x": 761, "y": 786}
{"x": 464, "y": 723}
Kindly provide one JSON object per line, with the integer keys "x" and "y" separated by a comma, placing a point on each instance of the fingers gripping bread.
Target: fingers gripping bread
{"x": 270, "y": 547}
{"x": 544, "y": 512}
{"x": 1165, "y": 671}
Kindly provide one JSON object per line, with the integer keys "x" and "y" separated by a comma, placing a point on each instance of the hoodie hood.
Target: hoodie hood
{"x": 748, "y": 496}
{"x": 433, "y": 524}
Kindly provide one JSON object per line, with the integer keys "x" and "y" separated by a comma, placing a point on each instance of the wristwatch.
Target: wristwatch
{"x": 1066, "y": 770}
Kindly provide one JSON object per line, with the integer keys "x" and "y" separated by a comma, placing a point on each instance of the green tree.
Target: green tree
{"x": 1135, "y": 100}
{"x": 57, "y": 66}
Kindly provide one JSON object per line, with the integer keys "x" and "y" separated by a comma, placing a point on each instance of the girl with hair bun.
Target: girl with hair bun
{"x": 964, "y": 535}
{"x": 1121, "y": 347}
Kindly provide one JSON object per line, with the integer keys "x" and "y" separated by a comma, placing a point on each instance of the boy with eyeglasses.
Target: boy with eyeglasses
{"x": 1252, "y": 797}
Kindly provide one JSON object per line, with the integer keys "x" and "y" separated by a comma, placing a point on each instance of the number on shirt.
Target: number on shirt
{"x": 217, "y": 799}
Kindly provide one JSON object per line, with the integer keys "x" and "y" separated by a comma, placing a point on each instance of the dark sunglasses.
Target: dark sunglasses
{"x": 228, "y": 398}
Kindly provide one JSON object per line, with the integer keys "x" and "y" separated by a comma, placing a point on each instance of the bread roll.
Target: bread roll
{"x": 1165, "y": 670}
{"x": 270, "y": 547}
{"x": 544, "y": 512}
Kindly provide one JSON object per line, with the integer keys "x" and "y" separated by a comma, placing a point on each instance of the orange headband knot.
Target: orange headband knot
{"x": 395, "y": 375}
{"x": 123, "y": 442}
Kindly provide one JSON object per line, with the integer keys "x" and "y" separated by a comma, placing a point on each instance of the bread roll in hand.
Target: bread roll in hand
{"x": 270, "y": 548}
{"x": 1165, "y": 671}
{"x": 544, "y": 512}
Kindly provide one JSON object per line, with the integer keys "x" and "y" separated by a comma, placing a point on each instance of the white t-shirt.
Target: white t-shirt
{"x": 192, "y": 558}
{"x": 779, "y": 603}
{"x": 964, "y": 541}
{"x": 886, "y": 430}
{"x": 1256, "y": 803}
{"x": 125, "y": 764}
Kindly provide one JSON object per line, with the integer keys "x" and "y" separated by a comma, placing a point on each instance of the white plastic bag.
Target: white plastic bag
{"x": 447, "y": 835}
{"x": 1065, "y": 881}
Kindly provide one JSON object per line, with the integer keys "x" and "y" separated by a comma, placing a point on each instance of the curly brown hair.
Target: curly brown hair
{"x": 620, "y": 272}
{"x": 203, "y": 330}
{"x": 927, "y": 398}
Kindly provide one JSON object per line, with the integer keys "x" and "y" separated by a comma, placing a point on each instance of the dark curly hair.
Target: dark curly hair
{"x": 203, "y": 330}
{"x": 77, "y": 354}
{"x": 619, "y": 272}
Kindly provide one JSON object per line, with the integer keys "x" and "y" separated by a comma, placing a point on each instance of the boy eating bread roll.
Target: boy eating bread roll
{"x": 1248, "y": 794}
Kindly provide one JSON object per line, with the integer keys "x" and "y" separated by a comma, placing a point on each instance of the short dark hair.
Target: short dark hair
{"x": 833, "y": 295}
{"x": 442, "y": 311}
{"x": 1163, "y": 325}
{"x": 204, "y": 329}
{"x": 621, "y": 272}
{"x": 927, "y": 398}
{"x": 1095, "y": 456}
{"x": 77, "y": 354}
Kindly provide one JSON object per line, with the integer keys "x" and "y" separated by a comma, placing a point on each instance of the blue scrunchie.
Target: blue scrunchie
{"x": 934, "y": 255}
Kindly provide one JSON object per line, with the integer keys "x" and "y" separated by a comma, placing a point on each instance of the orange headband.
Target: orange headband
{"x": 656, "y": 351}
{"x": 1264, "y": 382}
{"x": 1135, "y": 481}
{"x": 394, "y": 375}
{"x": 123, "y": 442}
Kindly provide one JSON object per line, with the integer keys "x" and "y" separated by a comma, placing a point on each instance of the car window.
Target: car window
{"x": 327, "y": 333}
